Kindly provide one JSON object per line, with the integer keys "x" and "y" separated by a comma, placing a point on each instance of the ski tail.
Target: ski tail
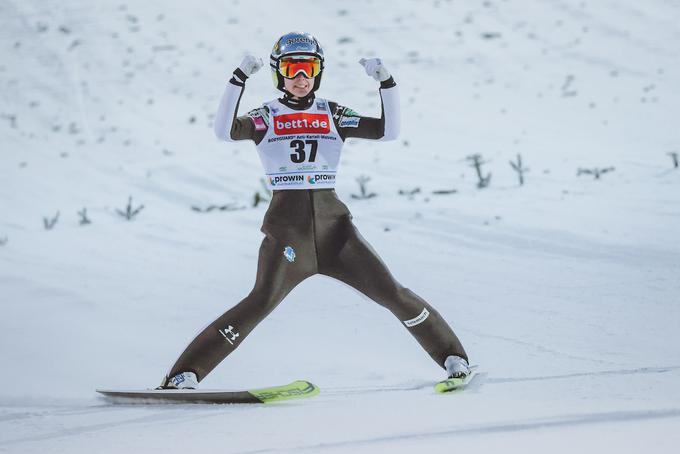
{"x": 296, "y": 390}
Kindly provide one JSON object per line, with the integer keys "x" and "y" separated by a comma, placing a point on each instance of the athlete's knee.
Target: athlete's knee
{"x": 405, "y": 295}
{"x": 405, "y": 303}
{"x": 394, "y": 295}
{"x": 263, "y": 300}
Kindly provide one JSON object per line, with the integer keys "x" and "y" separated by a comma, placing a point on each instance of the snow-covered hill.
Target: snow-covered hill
{"x": 565, "y": 291}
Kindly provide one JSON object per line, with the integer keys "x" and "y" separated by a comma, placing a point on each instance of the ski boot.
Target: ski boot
{"x": 456, "y": 367}
{"x": 183, "y": 380}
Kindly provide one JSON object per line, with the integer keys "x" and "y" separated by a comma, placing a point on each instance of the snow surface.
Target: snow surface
{"x": 565, "y": 291}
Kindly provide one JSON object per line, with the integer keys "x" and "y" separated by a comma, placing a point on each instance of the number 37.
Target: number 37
{"x": 300, "y": 155}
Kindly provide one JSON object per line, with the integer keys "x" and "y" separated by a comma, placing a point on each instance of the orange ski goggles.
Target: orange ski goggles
{"x": 290, "y": 67}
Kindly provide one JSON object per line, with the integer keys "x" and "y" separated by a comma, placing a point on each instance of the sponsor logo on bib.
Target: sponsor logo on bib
{"x": 301, "y": 123}
{"x": 287, "y": 180}
{"x": 322, "y": 178}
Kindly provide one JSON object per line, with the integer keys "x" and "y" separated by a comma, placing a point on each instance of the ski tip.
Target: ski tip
{"x": 297, "y": 389}
{"x": 453, "y": 384}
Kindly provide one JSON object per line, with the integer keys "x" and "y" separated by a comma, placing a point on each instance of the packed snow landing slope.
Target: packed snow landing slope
{"x": 564, "y": 291}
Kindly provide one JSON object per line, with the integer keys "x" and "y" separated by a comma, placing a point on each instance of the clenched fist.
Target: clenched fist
{"x": 375, "y": 69}
{"x": 250, "y": 65}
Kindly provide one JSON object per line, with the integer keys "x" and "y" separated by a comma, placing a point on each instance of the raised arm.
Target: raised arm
{"x": 351, "y": 124}
{"x": 228, "y": 126}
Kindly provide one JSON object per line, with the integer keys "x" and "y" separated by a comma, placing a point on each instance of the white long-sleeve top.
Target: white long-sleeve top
{"x": 230, "y": 127}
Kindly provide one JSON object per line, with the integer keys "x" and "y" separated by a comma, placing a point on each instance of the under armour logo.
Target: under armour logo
{"x": 229, "y": 334}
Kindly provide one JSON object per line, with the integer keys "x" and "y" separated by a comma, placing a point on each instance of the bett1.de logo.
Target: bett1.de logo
{"x": 301, "y": 123}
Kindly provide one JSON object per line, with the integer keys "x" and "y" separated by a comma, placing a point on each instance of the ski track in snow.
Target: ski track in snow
{"x": 163, "y": 414}
{"x": 166, "y": 417}
{"x": 483, "y": 379}
{"x": 556, "y": 422}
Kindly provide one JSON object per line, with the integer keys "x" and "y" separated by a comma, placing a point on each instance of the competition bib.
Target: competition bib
{"x": 301, "y": 149}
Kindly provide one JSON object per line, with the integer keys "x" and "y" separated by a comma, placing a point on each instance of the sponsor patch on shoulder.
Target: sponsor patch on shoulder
{"x": 260, "y": 125}
{"x": 349, "y": 122}
{"x": 349, "y": 112}
{"x": 260, "y": 118}
{"x": 320, "y": 105}
{"x": 338, "y": 111}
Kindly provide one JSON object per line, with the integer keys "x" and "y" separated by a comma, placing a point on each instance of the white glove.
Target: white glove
{"x": 375, "y": 69}
{"x": 250, "y": 65}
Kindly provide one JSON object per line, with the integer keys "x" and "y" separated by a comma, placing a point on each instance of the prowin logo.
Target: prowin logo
{"x": 322, "y": 178}
{"x": 286, "y": 179}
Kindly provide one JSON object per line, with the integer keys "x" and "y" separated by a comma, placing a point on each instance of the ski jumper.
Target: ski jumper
{"x": 308, "y": 230}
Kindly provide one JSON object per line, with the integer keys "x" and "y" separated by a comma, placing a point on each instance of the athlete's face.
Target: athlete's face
{"x": 299, "y": 86}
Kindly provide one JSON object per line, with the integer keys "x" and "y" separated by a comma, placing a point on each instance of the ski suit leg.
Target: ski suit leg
{"x": 349, "y": 258}
{"x": 276, "y": 277}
